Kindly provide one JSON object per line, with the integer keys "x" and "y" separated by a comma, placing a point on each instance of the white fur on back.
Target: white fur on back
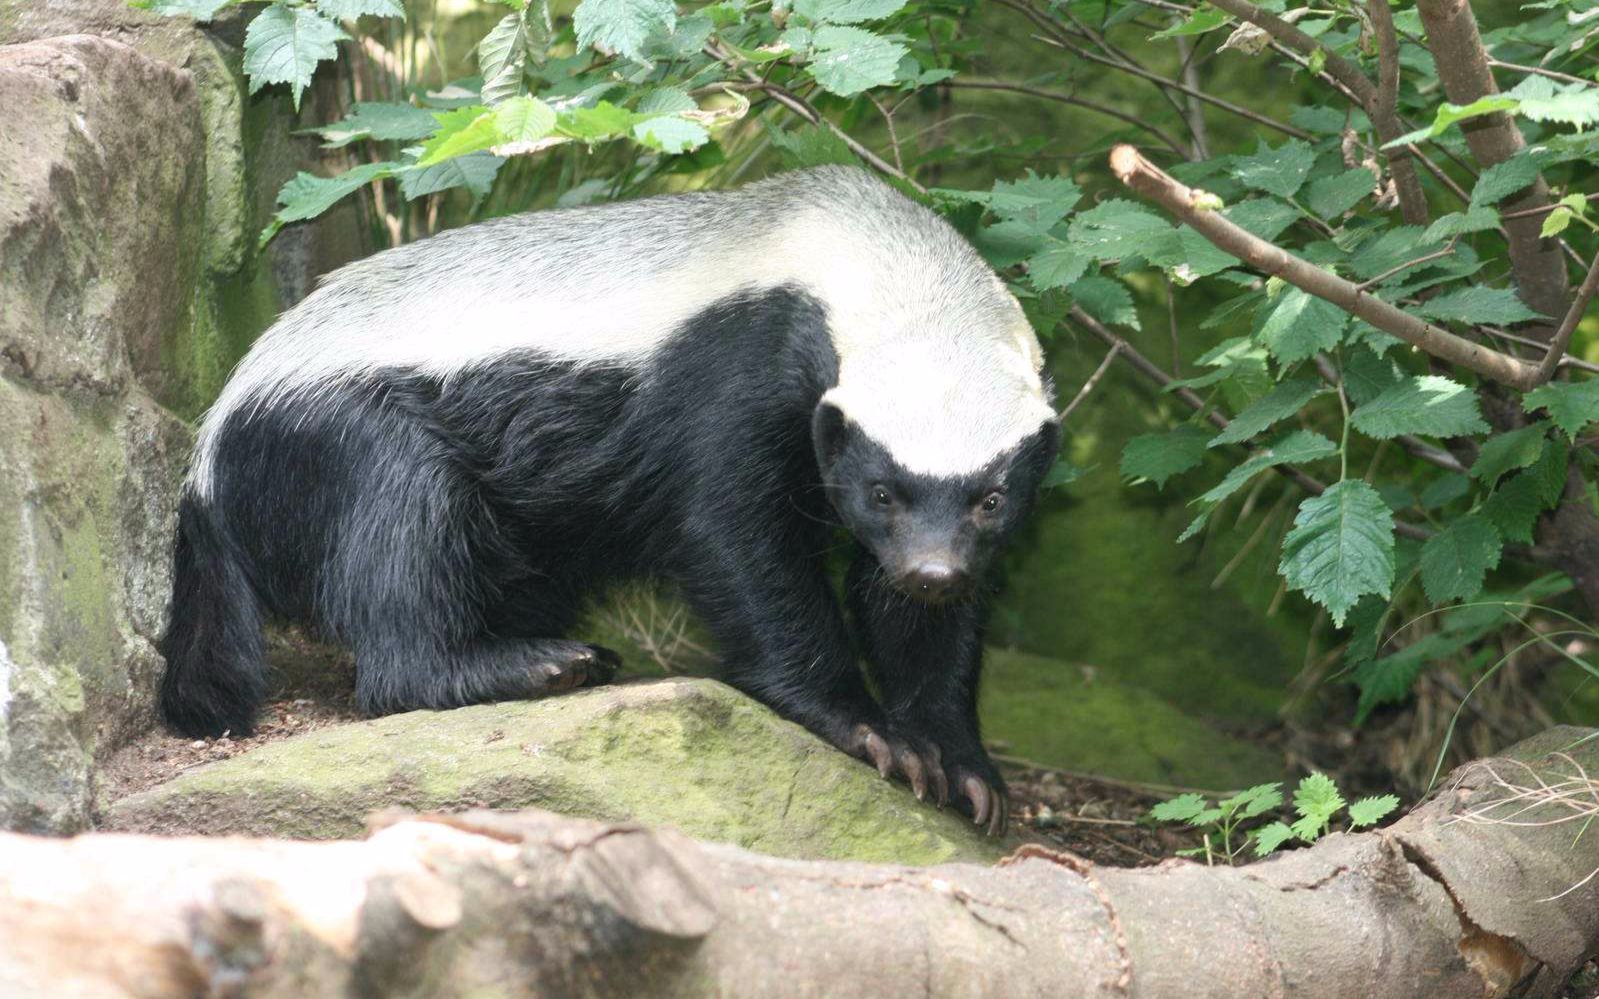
{"x": 936, "y": 360}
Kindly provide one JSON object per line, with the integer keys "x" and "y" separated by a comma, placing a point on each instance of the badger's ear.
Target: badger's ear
{"x": 1041, "y": 450}
{"x": 827, "y": 433}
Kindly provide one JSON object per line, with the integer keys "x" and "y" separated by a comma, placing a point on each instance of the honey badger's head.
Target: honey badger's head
{"x": 933, "y": 470}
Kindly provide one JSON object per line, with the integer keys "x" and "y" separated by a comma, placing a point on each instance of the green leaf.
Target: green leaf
{"x": 504, "y": 52}
{"x": 1341, "y": 547}
{"x": 1158, "y": 457}
{"x": 1316, "y": 801}
{"x": 1389, "y": 250}
{"x": 1367, "y": 375}
{"x": 1115, "y": 229}
{"x": 382, "y": 121}
{"x": 1331, "y": 197}
{"x": 1515, "y": 505}
{"x": 1455, "y": 561}
{"x": 1288, "y": 398}
{"x": 1179, "y": 809}
{"x": 1571, "y": 405}
{"x": 473, "y": 171}
{"x": 522, "y": 123}
{"x": 622, "y": 26}
{"x": 1509, "y": 451}
{"x": 1106, "y": 299}
{"x": 1204, "y": 18}
{"x": 1370, "y": 811}
{"x": 461, "y": 131}
{"x": 1504, "y": 179}
{"x": 1057, "y": 265}
{"x": 1269, "y": 839}
{"x": 1478, "y": 218}
{"x": 1478, "y": 304}
{"x": 199, "y": 10}
{"x": 1293, "y": 448}
{"x": 1039, "y": 202}
{"x": 1542, "y": 99}
{"x": 667, "y": 100}
{"x": 602, "y": 121}
{"x": 847, "y": 11}
{"x": 284, "y": 45}
{"x": 671, "y": 134}
{"x": 1278, "y": 171}
{"x": 1263, "y": 217}
{"x": 1425, "y": 404}
{"x": 1555, "y": 222}
{"x": 847, "y": 61}
{"x": 349, "y": 10}
{"x": 1254, "y": 801}
{"x": 1388, "y": 680}
{"x": 1062, "y": 473}
{"x": 1300, "y": 325}
{"x": 307, "y": 195}
{"x": 1449, "y": 114}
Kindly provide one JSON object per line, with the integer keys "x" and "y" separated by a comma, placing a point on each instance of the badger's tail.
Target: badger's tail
{"x": 215, "y": 679}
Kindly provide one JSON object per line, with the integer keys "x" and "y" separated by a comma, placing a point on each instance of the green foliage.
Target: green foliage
{"x": 1341, "y": 547}
{"x": 1424, "y": 404}
{"x": 622, "y": 26}
{"x": 1158, "y": 457}
{"x": 284, "y": 44}
{"x": 1229, "y": 826}
{"x": 1571, "y": 405}
{"x": 1456, "y": 560}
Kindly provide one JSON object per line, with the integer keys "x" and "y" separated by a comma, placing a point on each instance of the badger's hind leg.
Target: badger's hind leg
{"x": 485, "y": 670}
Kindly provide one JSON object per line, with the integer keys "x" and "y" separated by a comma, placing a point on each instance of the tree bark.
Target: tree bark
{"x": 1483, "y": 891}
{"x": 1464, "y": 69}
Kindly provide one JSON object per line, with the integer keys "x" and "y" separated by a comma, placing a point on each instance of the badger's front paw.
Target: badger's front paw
{"x": 895, "y": 754}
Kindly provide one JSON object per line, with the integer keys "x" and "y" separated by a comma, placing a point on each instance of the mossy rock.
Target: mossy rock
{"x": 691, "y": 753}
{"x": 1082, "y": 719}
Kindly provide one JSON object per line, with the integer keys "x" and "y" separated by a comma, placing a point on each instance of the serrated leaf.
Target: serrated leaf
{"x": 1205, "y": 817}
{"x": 473, "y": 171}
{"x": 1341, "y": 547}
{"x": 1393, "y": 247}
{"x": 504, "y": 52}
{"x": 1178, "y": 809}
{"x": 1555, "y": 222}
{"x": 1037, "y": 201}
{"x": 1365, "y": 629}
{"x": 1316, "y": 801}
{"x": 1294, "y": 448}
{"x": 602, "y": 121}
{"x": 307, "y": 195}
{"x": 1367, "y": 375}
{"x": 1456, "y": 560}
{"x": 671, "y": 134}
{"x": 667, "y": 100}
{"x": 622, "y": 26}
{"x": 1571, "y": 405}
{"x": 1504, "y": 179}
{"x": 1254, "y": 801}
{"x": 1057, "y": 265}
{"x": 1477, "y": 218}
{"x": 284, "y": 44}
{"x": 1280, "y": 171}
{"x": 1158, "y": 457}
{"x": 1425, "y": 404}
{"x": 1331, "y": 197}
{"x": 1542, "y": 99}
{"x": 1370, "y": 811}
{"x": 847, "y": 61}
{"x": 1509, "y": 451}
{"x": 1106, "y": 299}
{"x": 1388, "y": 680}
{"x": 1204, "y": 18}
{"x": 1270, "y": 838}
{"x": 1300, "y": 325}
{"x": 382, "y": 121}
{"x": 1115, "y": 229}
{"x": 464, "y": 130}
{"x": 847, "y": 11}
{"x": 1287, "y": 399}
{"x": 1449, "y": 114}
{"x": 1263, "y": 217}
{"x": 349, "y": 10}
{"x": 1515, "y": 505}
{"x": 1478, "y": 304}
{"x": 524, "y": 124}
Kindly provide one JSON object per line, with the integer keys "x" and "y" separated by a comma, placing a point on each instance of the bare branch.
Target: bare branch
{"x": 1562, "y": 338}
{"x": 1539, "y": 71}
{"x": 1193, "y": 207}
{"x": 1093, "y": 380}
{"x": 1165, "y": 137}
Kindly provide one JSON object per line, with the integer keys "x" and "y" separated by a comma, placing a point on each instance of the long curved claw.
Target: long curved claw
{"x": 1001, "y": 816}
{"x": 977, "y": 793}
{"x": 879, "y": 754}
{"x": 911, "y": 766}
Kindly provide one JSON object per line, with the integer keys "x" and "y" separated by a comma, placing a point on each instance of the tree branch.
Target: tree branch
{"x": 1193, "y": 207}
{"x": 1562, "y": 338}
{"x": 1053, "y": 95}
{"x": 1384, "y": 114}
{"x": 1466, "y": 73}
{"x": 1093, "y": 380}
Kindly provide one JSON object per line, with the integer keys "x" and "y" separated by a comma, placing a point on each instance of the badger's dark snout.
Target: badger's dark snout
{"x": 934, "y": 581}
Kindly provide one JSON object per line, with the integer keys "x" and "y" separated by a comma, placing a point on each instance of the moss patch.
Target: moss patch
{"x": 1062, "y": 715}
{"x": 689, "y": 753}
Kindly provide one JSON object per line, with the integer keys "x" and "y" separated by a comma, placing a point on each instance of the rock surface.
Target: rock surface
{"x": 129, "y": 285}
{"x": 690, "y": 753}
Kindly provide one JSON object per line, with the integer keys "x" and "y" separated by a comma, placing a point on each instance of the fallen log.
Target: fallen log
{"x": 1487, "y": 889}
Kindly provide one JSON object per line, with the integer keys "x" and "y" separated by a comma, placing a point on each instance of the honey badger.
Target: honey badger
{"x": 445, "y": 451}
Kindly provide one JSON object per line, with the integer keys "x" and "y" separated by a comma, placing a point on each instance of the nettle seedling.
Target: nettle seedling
{"x": 1224, "y": 824}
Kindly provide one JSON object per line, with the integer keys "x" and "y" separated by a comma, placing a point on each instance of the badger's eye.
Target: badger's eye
{"x": 992, "y": 502}
{"x": 880, "y": 497}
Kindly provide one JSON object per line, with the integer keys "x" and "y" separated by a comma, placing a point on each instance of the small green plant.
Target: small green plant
{"x": 1317, "y": 802}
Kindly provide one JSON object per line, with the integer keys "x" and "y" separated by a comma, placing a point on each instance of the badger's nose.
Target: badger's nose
{"x": 933, "y": 580}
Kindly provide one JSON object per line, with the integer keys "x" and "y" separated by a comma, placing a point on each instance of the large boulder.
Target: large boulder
{"x": 691, "y": 753}
{"x": 130, "y": 283}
